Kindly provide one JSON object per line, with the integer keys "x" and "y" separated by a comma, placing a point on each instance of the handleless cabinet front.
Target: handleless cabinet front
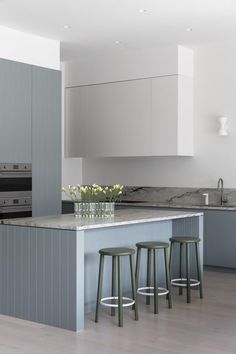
{"x": 46, "y": 138}
{"x": 15, "y": 112}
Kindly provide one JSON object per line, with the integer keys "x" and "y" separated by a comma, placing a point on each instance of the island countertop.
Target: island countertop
{"x": 122, "y": 217}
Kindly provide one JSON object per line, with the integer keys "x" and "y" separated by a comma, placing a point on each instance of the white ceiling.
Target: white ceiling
{"x": 97, "y": 24}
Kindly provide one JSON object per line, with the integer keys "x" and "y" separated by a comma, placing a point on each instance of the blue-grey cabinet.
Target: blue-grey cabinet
{"x": 46, "y": 141}
{"x": 220, "y": 238}
{"x": 30, "y": 128}
{"x": 15, "y": 112}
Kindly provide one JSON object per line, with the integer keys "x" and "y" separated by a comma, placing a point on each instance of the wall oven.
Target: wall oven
{"x": 15, "y": 190}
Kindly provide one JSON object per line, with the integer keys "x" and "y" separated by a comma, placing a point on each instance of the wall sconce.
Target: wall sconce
{"x": 223, "y": 129}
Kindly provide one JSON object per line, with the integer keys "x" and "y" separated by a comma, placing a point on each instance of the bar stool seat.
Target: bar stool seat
{"x": 187, "y": 282}
{"x": 152, "y": 245}
{"x": 117, "y": 253}
{"x": 184, "y": 239}
{"x": 155, "y": 290}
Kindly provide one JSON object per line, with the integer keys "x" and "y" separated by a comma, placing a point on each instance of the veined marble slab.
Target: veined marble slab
{"x": 122, "y": 217}
{"x": 179, "y": 206}
{"x": 180, "y": 197}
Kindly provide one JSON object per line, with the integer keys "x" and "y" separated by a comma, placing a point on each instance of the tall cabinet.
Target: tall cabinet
{"x": 30, "y": 121}
{"x": 46, "y": 141}
{"x": 15, "y": 112}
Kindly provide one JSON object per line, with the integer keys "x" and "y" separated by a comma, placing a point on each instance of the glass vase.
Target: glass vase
{"x": 109, "y": 209}
{"x": 78, "y": 209}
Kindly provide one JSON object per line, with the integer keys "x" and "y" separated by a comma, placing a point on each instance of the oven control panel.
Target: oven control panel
{"x": 8, "y": 167}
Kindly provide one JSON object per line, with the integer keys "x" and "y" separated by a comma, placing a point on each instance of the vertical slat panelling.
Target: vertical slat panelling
{"x": 48, "y": 277}
{"x": 1, "y": 271}
{"x": 5, "y": 272}
{"x": 79, "y": 280}
{"x": 33, "y": 274}
{"x": 38, "y": 275}
{"x": 72, "y": 283}
{"x": 10, "y": 273}
{"x": 55, "y": 279}
{"x": 64, "y": 280}
{"x": 17, "y": 272}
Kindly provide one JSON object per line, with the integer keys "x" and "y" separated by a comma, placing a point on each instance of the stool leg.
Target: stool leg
{"x": 113, "y": 283}
{"x": 99, "y": 290}
{"x": 170, "y": 263}
{"x": 155, "y": 282}
{"x": 180, "y": 266}
{"x": 170, "y": 258}
{"x": 168, "y": 286}
{"x": 148, "y": 274}
{"x": 188, "y": 274}
{"x": 137, "y": 267}
{"x": 134, "y": 290}
{"x": 199, "y": 271}
{"x": 120, "y": 307}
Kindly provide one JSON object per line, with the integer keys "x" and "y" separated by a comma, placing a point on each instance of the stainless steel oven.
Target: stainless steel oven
{"x": 15, "y": 190}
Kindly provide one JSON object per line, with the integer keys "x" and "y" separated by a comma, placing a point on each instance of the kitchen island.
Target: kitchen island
{"x": 49, "y": 265}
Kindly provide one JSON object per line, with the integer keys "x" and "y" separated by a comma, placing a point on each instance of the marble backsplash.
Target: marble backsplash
{"x": 178, "y": 196}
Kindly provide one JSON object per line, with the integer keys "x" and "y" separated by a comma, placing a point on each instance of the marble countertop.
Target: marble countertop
{"x": 125, "y": 216}
{"x": 179, "y": 206}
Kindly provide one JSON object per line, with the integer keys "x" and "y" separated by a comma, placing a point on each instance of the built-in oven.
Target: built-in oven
{"x": 15, "y": 190}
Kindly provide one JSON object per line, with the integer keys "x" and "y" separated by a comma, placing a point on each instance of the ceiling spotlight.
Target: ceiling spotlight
{"x": 66, "y": 27}
{"x": 142, "y": 11}
{"x": 189, "y": 29}
{"x": 117, "y": 42}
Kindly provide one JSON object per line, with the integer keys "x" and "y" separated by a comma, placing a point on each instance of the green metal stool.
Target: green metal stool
{"x": 187, "y": 282}
{"x": 116, "y": 254}
{"x": 157, "y": 291}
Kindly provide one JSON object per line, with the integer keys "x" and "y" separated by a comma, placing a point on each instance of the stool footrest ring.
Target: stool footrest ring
{"x": 141, "y": 291}
{"x": 182, "y": 282}
{"x": 104, "y": 303}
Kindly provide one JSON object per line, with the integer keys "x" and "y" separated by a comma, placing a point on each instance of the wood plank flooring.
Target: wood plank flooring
{"x": 205, "y": 326}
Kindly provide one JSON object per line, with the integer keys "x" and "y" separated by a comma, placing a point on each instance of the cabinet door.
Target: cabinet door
{"x": 15, "y": 112}
{"x": 76, "y": 115}
{"x": 220, "y": 240}
{"x": 119, "y": 118}
{"x": 164, "y": 133}
{"x": 46, "y": 138}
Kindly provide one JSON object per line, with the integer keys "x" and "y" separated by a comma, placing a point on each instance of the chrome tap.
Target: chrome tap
{"x": 220, "y": 186}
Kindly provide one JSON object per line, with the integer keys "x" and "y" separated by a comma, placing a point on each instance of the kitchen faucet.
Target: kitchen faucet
{"x": 220, "y": 186}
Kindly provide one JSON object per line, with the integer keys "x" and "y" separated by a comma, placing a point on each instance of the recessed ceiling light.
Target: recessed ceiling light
{"x": 189, "y": 29}
{"x": 118, "y": 42}
{"x": 66, "y": 27}
{"x": 142, "y": 11}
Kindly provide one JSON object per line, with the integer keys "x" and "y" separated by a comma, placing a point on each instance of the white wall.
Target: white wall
{"x": 29, "y": 49}
{"x": 215, "y": 156}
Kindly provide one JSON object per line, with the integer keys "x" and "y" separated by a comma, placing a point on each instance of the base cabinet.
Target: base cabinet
{"x": 220, "y": 238}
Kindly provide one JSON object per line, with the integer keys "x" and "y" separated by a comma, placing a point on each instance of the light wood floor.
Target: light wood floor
{"x": 205, "y": 326}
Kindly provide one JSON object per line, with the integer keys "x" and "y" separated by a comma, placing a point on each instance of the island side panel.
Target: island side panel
{"x": 120, "y": 236}
{"x": 39, "y": 276}
{"x": 188, "y": 227}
